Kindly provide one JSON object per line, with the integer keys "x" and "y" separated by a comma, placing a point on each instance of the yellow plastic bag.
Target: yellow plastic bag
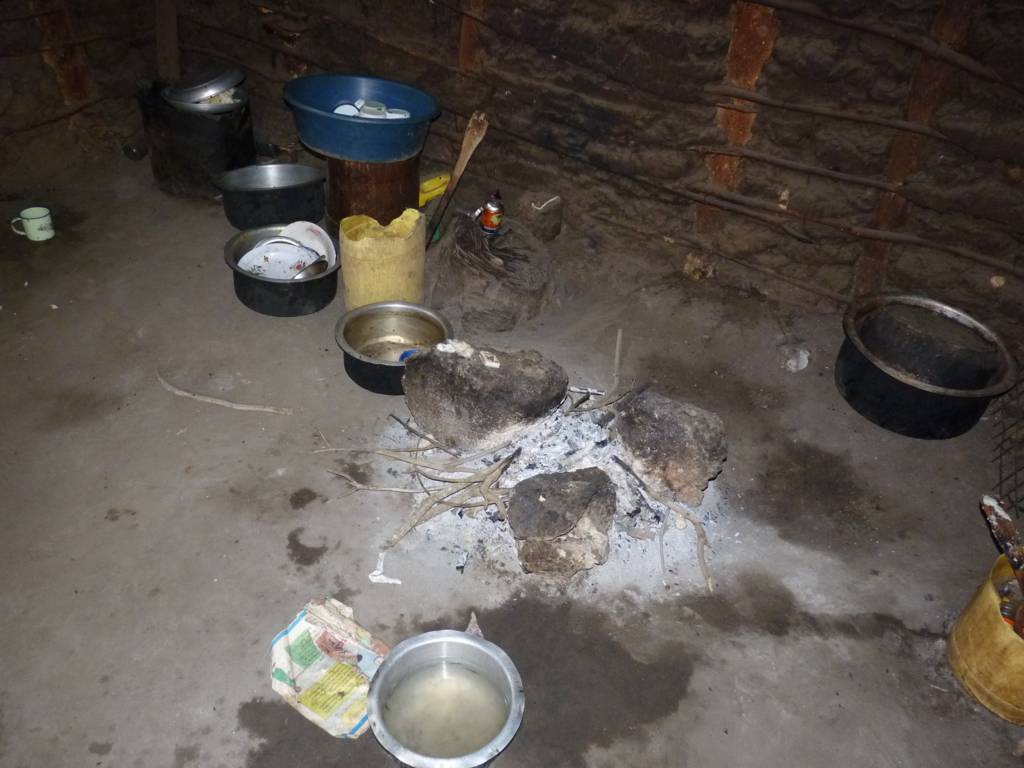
{"x": 383, "y": 263}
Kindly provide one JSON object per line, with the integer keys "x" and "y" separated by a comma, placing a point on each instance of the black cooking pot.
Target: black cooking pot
{"x": 377, "y": 339}
{"x": 918, "y": 367}
{"x": 280, "y": 298}
{"x": 277, "y": 193}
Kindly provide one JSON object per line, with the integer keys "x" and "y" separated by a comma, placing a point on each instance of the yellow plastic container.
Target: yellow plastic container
{"x": 434, "y": 187}
{"x": 986, "y": 654}
{"x": 383, "y": 263}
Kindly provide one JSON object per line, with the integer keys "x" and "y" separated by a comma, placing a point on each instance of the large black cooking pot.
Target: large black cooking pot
{"x": 919, "y": 367}
{"x": 280, "y": 298}
{"x": 276, "y": 193}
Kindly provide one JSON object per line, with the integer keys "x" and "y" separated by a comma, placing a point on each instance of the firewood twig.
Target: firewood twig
{"x": 358, "y": 486}
{"x": 422, "y": 435}
{"x": 219, "y": 401}
{"x": 679, "y": 509}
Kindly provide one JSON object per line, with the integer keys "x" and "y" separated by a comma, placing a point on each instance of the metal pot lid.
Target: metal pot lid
{"x": 205, "y": 84}
{"x": 240, "y": 99}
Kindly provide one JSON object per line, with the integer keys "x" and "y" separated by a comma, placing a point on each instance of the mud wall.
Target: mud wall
{"x": 899, "y": 116}
{"x": 72, "y": 62}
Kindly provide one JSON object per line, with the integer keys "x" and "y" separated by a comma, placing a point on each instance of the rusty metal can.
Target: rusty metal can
{"x": 491, "y": 215}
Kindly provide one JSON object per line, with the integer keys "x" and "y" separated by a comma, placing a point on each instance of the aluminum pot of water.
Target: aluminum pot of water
{"x": 446, "y": 700}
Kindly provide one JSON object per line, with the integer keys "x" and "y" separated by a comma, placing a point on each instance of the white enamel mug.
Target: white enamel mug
{"x": 36, "y": 222}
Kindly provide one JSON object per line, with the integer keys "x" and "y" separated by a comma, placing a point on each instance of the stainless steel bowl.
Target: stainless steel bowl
{"x": 377, "y": 338}
{"x": 447, "y": 646}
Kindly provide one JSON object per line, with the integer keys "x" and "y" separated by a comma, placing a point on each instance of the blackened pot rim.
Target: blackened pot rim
{"x": 859, "y": 310}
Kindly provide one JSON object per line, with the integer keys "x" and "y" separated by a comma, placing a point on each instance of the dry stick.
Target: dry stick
{"x": 423, "y": 513}
{"x": 587, "y": 391}
{"x": 422, "y": 464}
{"x": 372, "y": 450}
{"x": 702, "y": 536}
{"x": 717, "y": 200}
{"x": 904, "y": 189}
{"x": 490, "y": 481}
{"x": 423, "y": 436}
{"x": 440, "y": 479}
{"x": 794, "y": 281}
{"x": 610, "y": 400}
{"x": 698, "y": 526}
{"x": 793, "y": 165}
{"x": 707, "y": 248}
{"x": 810, "y": 109}
{"x": 74, "y": 44}
{"x": 476, "y": 129}
{"x": 57, "y": 118}
{"x": 453, "y": 466}
{"x": 613, "y": 394}
{"x": 927, "y": 45}
{"x": 218, "y": 401}
{"x": 618, "y": 359}
{"x": 480, "y": 484}
{"x": 742, "y": 204}
{"x": 358, "y": 486}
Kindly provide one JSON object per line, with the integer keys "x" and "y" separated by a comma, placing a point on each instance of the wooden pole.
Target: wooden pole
{"x": 469, "y": 38}
{"x": 812, "y": 109}
{"x": 168, "y": 61}
{"x": 754, "y": 29}
{"x": 907, "y": 151}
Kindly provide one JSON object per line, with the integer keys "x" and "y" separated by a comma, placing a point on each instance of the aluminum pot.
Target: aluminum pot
{"x": 449, "y": 647}
{"x": 377, "y": 339}
{"x": 918, "y": 367}
{"x": 279, "y": 298}
{"x": 276, "y": 193}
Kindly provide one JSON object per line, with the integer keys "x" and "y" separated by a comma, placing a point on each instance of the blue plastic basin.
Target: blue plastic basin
{"x": 313, "y": 98}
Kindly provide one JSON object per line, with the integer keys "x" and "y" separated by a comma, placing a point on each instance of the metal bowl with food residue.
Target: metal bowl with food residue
{"x": 210, "y": 91}
{"x": 272, "y": 296}
{"x": 377, "y": 339}
{"x": 919, "y": 367}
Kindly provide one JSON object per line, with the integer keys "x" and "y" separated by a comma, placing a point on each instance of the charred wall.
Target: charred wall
{"x": 64, "y": 61}
{"x": 624, "y": 107}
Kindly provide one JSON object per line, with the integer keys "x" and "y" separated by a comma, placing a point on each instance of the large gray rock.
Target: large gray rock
{"x": 676, "y": 447}
{"x": 560, "y": 520}
{"x": 469, "y": 397}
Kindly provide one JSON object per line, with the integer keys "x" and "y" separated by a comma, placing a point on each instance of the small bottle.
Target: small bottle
{"x": 491, "y": 215}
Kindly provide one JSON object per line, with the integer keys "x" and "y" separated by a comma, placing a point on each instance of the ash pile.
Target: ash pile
{"x": 556, "y": 471}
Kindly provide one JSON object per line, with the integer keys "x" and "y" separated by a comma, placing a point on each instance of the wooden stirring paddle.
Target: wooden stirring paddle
{"x": 475, "y": 131}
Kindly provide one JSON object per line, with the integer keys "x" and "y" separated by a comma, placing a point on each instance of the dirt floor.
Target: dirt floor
{"x": 154, "y": 545}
